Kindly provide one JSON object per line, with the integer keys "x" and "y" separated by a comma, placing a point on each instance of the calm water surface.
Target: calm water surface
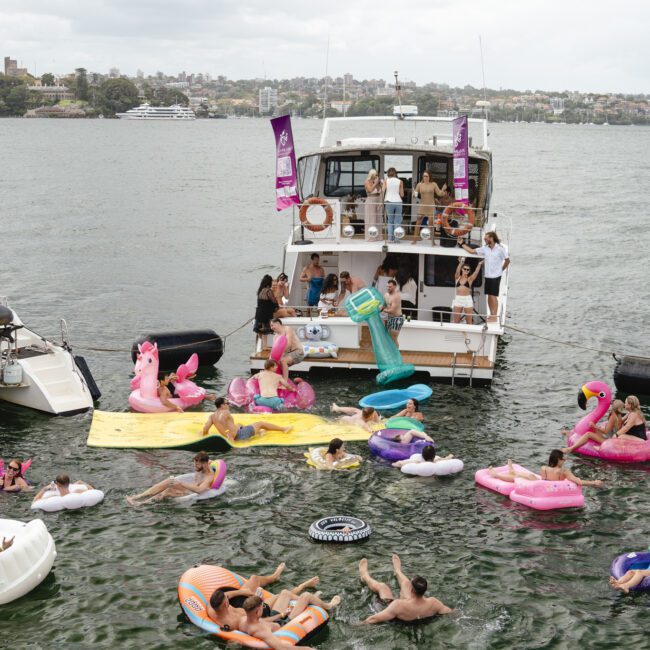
{"x": 124, "y": 227}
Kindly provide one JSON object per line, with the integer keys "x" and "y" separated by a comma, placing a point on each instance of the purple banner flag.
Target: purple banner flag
{"x": 461, "y": 172}
{"x": 286, "y": 191}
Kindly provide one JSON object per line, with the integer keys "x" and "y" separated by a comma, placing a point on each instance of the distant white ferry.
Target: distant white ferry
{"x": 147, "y": 112}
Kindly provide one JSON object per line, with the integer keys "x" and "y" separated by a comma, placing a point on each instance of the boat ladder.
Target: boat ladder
{"x": 456, "y": 364}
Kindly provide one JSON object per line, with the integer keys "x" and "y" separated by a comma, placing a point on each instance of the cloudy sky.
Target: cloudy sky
{"x": 527, "y": 44}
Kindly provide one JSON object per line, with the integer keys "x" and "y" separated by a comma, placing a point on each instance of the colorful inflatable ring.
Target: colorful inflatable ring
{"x": 630, "y": 561}
{"x": 403, "y": 422}
{"x": 453, "y": 208}
{"x": 331, "y": 529}
{"x": 196, "y": 586}
{"x": 382, "y": 444}
{"x": 304, "y": 219}
{"x": 316, "y": 458}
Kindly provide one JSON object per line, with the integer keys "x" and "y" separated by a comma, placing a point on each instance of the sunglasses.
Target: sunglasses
{"x": 466, "y": 269}
{"x": 15, "y": 469}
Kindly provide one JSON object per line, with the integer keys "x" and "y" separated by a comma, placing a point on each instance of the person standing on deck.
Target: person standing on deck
{"x": 393, "y": 190}
{"x": 372, "y": 208}
{"x": 393, "y": 308}
{"x": 314, "y": 274}
{"x": 497, "y": 261}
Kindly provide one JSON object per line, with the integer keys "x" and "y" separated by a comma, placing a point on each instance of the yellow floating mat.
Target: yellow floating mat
{"x": 184, "y": 431}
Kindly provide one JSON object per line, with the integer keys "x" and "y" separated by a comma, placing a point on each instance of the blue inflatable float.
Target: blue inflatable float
{"x": 387, "y": 400}
{"x": 630, "y": 561}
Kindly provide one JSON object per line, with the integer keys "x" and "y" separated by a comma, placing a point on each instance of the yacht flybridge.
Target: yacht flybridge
{"x": 40, "y": 374}
{"x": 331, "y": 221}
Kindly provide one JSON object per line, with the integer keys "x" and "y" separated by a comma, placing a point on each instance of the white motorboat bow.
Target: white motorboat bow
{"x": 40, "y": 374}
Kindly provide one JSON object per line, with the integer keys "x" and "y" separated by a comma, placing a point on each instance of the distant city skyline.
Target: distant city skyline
{"x": 536, "y": 45}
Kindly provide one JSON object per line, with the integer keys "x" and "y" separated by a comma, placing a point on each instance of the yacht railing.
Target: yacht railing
{"x": 345, "y": 223}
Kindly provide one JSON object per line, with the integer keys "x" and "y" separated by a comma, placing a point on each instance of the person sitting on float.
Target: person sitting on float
{"x": 407, "y": 436}
{"x": 554, "y": 471}
{"x": 294, "y": 353}
{"x": 411, "y": 411}
{"x": 13, "y": 480}
{"x": 428, "y": 456}
{"x": 269, "y": 381}
{"x": 364, "y": 417}
{"x": 165, "y": 395}
{"x": 6, "y": 543}
{"x": 598, "y": 434}
{"x": 280, "y": 290}
{"x": 634, "y": 424}
{"x": 62, "y": 486}
{"x": 629, "y": 580}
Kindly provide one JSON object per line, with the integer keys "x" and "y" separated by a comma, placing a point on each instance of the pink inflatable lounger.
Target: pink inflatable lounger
{"x": 539, "y": 495}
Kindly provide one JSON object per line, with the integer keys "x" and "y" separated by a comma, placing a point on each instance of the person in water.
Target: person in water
{"x": 336, "y": 452}
{"x": 629, "y": 580}
{"x": 269, "y": 381}
{"x": 412, "y": 411}
{"x": 13, "y": 480}
{"x": 314, "y": 274}
{"x": 294, "y": 353}
{"x": 598, "y": 434}
{"x": 59, "y": 487}
{"x": 171, "y": 487}
{"x": 364, "y": 417}
{"x": 407, "y": 436}
{"x": 412, "y": 604}
{"x": 428, "y": 456}
{"x": 634, "y": 424}
{"x": 223, "y": 422}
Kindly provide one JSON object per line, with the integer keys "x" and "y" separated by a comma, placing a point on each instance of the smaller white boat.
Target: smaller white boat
{"x": 40, "y": 374}
{"x": 147, "y": 112}
{"x": 28, "y": 561}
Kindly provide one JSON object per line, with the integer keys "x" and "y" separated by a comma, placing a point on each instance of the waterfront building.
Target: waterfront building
{"x": 268, "y": 100}
{"x": 12, "y": 69}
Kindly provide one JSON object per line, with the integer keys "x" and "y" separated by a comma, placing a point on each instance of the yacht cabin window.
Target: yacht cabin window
{"x": 345, "y": 175}
{"x": 307, "y": 176}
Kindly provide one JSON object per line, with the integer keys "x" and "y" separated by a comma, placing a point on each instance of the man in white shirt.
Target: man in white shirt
{"x": 496, "y": 262}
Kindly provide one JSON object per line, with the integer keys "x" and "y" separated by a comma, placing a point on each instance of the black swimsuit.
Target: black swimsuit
{"x": 638, "y": 431}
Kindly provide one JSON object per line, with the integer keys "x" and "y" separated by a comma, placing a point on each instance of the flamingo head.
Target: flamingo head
{"x": 596, "y": 389}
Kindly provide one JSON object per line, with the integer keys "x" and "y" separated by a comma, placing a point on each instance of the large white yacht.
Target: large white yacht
{"x": 40, "y": 374}
{"x": 334, "y": 176}
{"x": 147, "y": 112}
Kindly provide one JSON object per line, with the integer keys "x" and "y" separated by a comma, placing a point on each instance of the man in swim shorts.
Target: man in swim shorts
{"x": 171, "y": 487}
{"x": 223, "y": 422}
{"x": 269, "y": 382}
{"x": 293, "y": 353}
{"x": 412, "y": 605}
{"x": 393, "y": 309}
{"x": 252, "y": 622}
{"x": 364, "y": 417}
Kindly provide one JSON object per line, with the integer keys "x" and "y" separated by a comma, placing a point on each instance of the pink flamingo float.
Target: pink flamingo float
{"x": 144, "y": 395}
{"x": 622, "y": 451}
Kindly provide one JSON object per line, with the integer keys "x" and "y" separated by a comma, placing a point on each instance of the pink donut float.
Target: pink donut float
{"x": 621, "y": 451}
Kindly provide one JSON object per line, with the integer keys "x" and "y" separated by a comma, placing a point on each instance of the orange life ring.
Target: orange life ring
{"x": 468, "y": 222}
{"x": 329, "y": 214}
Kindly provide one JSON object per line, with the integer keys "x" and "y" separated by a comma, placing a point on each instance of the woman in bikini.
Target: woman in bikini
{"x": 463, "y": 301}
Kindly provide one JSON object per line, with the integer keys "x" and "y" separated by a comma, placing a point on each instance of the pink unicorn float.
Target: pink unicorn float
{"x": 144, "y": 396}
{"x": 622, "y": 451}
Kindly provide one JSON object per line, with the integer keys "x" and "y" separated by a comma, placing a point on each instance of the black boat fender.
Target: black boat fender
{"x": 175, "y": 348}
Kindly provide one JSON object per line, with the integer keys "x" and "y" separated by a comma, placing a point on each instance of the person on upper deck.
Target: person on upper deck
{"x": 393, "y": 191}
{"x": 427, "y": 190}
{"x": 280, "y": 288}
{"x": 266, "y": 307}
{"x": 372, "y": 208}
{"x": 314, "y": 274}
{"x": 497, "y": 261}
{"x": 463, "y": 301}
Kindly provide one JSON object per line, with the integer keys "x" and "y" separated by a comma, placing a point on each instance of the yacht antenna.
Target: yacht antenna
{"x": 398, "y": 91}
{"x": 327, "y": 61}
{"x": 480, "y": 44}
